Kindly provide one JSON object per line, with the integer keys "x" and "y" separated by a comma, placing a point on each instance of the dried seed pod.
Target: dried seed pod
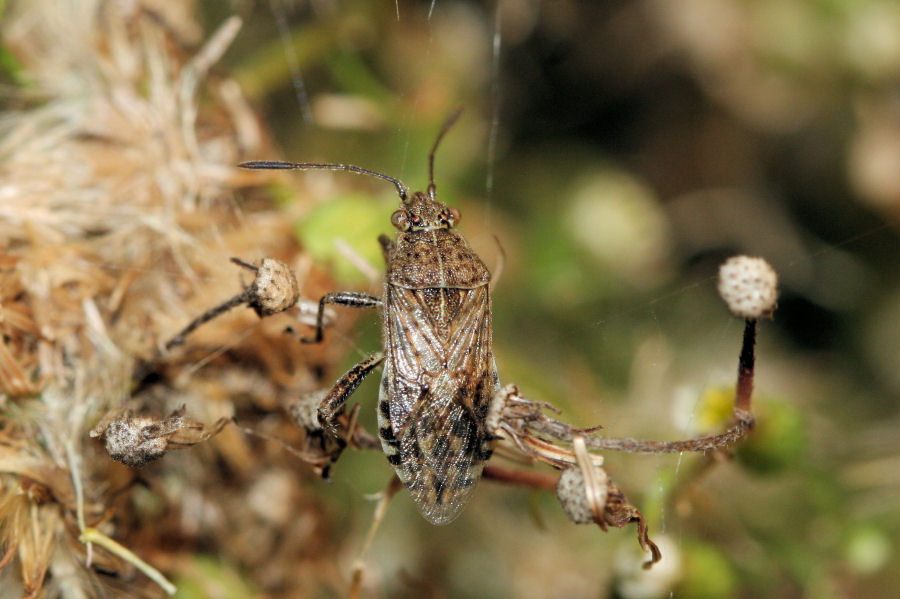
{"x": 572, "y": 494}
{"x": 138, "y": 440}
{"x": 321, "y": 448}
{"x": 501, "y": 400}
{"x": 583, "y": 490}
{"x": 274, "y": 289}
{"x": 619, "y": 513}
{"x": 749, "y": 287}
{"x": 305, "y": 411}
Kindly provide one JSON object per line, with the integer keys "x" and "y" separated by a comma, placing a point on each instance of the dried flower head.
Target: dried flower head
{"x": 320, "y": 448}
{"x": 749, "y": 287}
{"x": 117, "y": 188}
{"x": 138, "y": 440}
{"x": 274, "y": 289}
{"x": 572, "y": 494}
{"x": 305, "y": 411}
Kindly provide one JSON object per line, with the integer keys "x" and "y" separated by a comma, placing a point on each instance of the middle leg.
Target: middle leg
{"x": 351, "y": 299}
{"x": 332, "y": 405}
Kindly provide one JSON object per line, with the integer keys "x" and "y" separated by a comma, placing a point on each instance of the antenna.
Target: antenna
{"x": 402, "y": 190}
{"x": 446, "y": 127}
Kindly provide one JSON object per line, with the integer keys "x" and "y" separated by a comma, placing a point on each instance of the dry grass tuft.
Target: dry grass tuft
{"x": 117, "y": 219}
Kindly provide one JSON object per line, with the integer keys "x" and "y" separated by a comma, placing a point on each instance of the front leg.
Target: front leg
{"x": 387, "y": 247}
{"x": 332, "y": 406}
{"x": 351, "y": 299}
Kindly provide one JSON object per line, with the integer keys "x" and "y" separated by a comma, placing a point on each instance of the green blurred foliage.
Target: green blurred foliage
{"x": 353, "y": 218}
{"x": 707, "y": 573}
{"x": 779, "y": 439}
{"x": 206, "y": 576}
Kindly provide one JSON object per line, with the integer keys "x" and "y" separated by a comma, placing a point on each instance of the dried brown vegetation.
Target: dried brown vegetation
{"x": 116, "y": 224}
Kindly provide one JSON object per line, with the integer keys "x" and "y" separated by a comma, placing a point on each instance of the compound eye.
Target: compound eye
{"x": 398, "y": 219}
{"x": 454, "y": 215}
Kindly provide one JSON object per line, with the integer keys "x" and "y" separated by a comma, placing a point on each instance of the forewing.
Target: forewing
{"x": 435, "y": 392}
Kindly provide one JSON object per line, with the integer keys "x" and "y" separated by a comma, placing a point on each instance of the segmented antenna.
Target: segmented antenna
{"x": 446, "y": 127}
{"x": 402, "y": 190}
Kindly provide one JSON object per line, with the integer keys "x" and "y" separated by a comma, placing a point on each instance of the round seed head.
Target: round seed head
{"x": 274, "y": 289}
{"x": 498, "y": 404}
{"x": 126, "y": 441}
{"x": 749, "y": 287}
{"x": 305, "y": 411}
{"x": 571, "y": 492}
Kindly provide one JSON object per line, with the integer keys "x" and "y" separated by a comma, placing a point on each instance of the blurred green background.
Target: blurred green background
{"x": 619, "y": 151}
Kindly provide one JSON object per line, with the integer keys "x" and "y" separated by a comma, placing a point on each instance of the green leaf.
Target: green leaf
{"x": 353, "y": 220}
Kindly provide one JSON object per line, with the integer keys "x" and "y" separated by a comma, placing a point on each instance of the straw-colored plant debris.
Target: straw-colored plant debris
{"x": 117, "y": 222}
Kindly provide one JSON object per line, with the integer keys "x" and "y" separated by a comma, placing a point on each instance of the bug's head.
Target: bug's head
{"x": 422, "y": 213}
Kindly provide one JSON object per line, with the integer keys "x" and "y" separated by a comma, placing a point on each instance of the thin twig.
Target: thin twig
{"x": 92, "y": 535}
{"x": 745, "y": 367}
{"x": 234, "y": 302}
{"x": 8, "y": 555}
{"x": 75, "y": 470}
{"x": 525, "y": 478}
{"x": 743, "y": 425}
{"x": 380, "y": 510}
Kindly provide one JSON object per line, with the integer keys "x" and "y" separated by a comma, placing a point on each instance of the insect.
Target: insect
{"x": 439, "y": 372}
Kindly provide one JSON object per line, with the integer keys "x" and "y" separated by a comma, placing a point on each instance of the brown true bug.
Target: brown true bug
{"x": 439, "y": 371}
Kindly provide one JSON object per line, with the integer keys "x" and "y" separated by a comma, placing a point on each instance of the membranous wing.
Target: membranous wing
{"x": 438, "y": 381}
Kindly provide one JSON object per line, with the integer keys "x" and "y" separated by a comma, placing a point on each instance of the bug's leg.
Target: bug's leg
{"x": 333, "y": 404}
{"x": 387, "y": 247}
{"x": 350, "y": 299}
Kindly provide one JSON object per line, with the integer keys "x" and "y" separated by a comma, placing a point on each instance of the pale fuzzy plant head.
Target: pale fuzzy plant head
{"x": 749, "y": 287}
{"x": 115, "y": 203}
{"x": 100, "y": 168}
{"x": 114, "y": 145}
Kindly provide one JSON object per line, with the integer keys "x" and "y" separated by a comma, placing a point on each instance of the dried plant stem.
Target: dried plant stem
{"x": 308, "y": 458}
{"x": 743, "y": 425}
{"x": 274, "y": 289}
{"x": 144, "y": 369}
{"x": 743, "y": 420}
{"x": 646, "y": 544}
{"x": 525, "y": 478}
{"x": 75, "y": 469}
{"x": 244, "y": 264}
{"x": 745, "y": 367}
{"x": 92, "y": 535}
{"x": 234, "y": 302}
{"x": 380, "y": 510}
{"x": 244, "y": 297}
{"x": 8, "y": 555}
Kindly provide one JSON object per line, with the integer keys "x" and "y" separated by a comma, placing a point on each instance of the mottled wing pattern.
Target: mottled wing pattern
{"x": 437, "y": 384}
